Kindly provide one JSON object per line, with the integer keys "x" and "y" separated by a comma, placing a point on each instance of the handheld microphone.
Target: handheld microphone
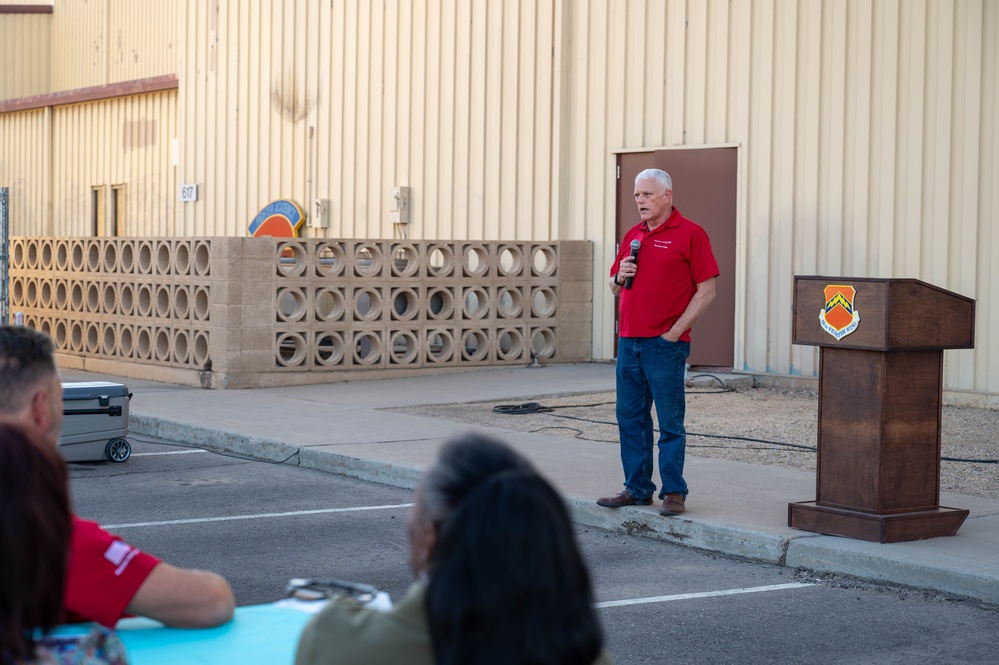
{"x": 635, "y": 244}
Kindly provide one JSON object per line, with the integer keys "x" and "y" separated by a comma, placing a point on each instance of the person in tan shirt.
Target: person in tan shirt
{"x": 499, "y": 576}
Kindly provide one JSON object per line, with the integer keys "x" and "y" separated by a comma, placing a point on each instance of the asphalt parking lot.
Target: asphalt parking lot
{"x": 260, "y": 524}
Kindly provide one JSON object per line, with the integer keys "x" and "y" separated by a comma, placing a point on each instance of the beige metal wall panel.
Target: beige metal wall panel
{"x": 79, "y": 44}
{"x": 867, "y": 146}
{"x": 344, "y": 101}
{"x": 866, "y": 131}
{"x": 143, "y": 39}
{"x": 24, "y": 52}
{"x": 96, "y": 42}
{"x": 246, "y": 110}
{"x": 123, "y": 142}
{"x": 24, "y": 169}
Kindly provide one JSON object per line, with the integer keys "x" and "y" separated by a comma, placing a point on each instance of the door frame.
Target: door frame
{"x": 726, "y": 237}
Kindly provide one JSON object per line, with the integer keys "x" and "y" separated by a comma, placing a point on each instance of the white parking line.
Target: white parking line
{"x": 703, "y": 594}
{"x": 171, "y": 452}
{"x": 228, "y": 518}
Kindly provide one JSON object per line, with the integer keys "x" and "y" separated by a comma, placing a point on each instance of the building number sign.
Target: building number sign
{"x": 188, "y": 192}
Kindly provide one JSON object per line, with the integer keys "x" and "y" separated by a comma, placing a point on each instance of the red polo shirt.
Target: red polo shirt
{"x": 674, "y": 258}
{"x": 104, "y": 573}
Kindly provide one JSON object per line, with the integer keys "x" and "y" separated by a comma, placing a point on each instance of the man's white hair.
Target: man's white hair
{"x": 658, "y": 175}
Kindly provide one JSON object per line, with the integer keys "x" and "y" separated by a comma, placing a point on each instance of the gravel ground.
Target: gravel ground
{"x": 757, "y": 426}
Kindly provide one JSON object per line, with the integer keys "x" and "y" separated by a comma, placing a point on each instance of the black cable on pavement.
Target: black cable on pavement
{"x": 520, "y": 409}
{"x": 746, "y": 438}
{"x": 720, "y": 382}
{"x": 535, "y": 407}
{"x": 974, "y": 461}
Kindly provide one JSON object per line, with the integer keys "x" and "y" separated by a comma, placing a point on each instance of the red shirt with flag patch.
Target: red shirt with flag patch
{"x": 104, "y": 574}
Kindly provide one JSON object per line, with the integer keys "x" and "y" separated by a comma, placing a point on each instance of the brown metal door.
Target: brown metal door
{"x": 704, "y": 189}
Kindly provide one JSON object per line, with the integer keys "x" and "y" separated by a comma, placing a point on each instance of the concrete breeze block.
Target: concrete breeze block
{"x": 174, "y": 303}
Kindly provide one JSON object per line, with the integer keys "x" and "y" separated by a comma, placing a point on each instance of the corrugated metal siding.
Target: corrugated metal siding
{"x": 24, "y": 52}
{"x": 868, "y": 146}
{"x": 125, "y": 40}
{"x": 24, "y": 168}
{"x": 115, "y": 142}
{"x": 144, "y": 40}
{"x": 76, "y": 62}
{"x": 867, "y": 130}
{"x": 346, "y": 100}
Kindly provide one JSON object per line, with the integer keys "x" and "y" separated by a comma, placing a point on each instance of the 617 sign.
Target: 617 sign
{"x": 188, "y": 192}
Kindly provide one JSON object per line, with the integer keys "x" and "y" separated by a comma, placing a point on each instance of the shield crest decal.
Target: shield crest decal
{"x": 839, "y": 317}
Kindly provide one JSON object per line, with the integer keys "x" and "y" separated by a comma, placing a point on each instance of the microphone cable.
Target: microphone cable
{"x": 535, "y": 407}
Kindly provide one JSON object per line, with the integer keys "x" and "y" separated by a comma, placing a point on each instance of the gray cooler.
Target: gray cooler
{"x": 95, "y": 422}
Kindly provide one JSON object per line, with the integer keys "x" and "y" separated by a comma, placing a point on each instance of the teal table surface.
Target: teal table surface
{"x": 257, "y": 634}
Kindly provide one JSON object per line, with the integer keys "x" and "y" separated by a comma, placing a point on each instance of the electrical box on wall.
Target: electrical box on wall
{"x": 320, "y": 217}
{"x": 399, "y": 204}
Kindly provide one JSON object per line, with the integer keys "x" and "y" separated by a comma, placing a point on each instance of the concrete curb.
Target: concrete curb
{"x": 829, "y": 554}
{"x": 394, "y": 475}
{"x": 260, "y": 448}
{"x": 634, "y": 521}
{"x": 826, "y": 554}
{"x": 681, "y": 531}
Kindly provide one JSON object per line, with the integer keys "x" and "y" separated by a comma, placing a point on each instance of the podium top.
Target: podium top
{"x": 880, "y": 314}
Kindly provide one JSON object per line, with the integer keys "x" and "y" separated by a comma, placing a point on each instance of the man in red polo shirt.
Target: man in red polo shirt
{"x": 107, "y": 577}
{"x": 672, "y": 281}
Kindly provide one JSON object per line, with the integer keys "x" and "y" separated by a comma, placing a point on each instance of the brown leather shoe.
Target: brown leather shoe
{"x": 672, "y": 505}
{"x": 624, "y": 498}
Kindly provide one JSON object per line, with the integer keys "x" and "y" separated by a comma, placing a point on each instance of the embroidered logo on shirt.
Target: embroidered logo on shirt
{"x": 662, "y": 244}
{"x": 120, "y": 554}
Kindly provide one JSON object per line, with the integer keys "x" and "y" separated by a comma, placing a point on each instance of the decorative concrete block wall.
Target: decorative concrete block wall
{"x": 117, "y": 302}
{"x": 242, "y": 312}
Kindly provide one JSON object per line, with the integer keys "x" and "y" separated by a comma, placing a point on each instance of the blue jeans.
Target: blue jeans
{"x": 650, "y": 370}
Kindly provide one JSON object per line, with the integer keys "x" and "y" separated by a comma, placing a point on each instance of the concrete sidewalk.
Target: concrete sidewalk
{"x": 734, "y": 508}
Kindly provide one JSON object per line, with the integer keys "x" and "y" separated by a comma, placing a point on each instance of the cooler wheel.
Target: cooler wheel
{"x": 118, "y": 450}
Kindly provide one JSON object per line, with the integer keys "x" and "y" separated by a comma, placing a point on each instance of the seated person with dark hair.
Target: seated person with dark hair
{"x": 107, "y": 577}
{"x": 499, "y": 576}
{"x": 35, "y": 531}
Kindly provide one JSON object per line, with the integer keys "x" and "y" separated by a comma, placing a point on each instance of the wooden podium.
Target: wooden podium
{"x": 880, "y": 401}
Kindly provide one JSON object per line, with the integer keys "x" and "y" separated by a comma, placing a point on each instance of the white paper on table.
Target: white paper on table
{"x": 381, "y": 602}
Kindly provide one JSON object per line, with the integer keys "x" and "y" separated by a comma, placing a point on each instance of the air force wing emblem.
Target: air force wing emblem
{"x": 839, "y": 317}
